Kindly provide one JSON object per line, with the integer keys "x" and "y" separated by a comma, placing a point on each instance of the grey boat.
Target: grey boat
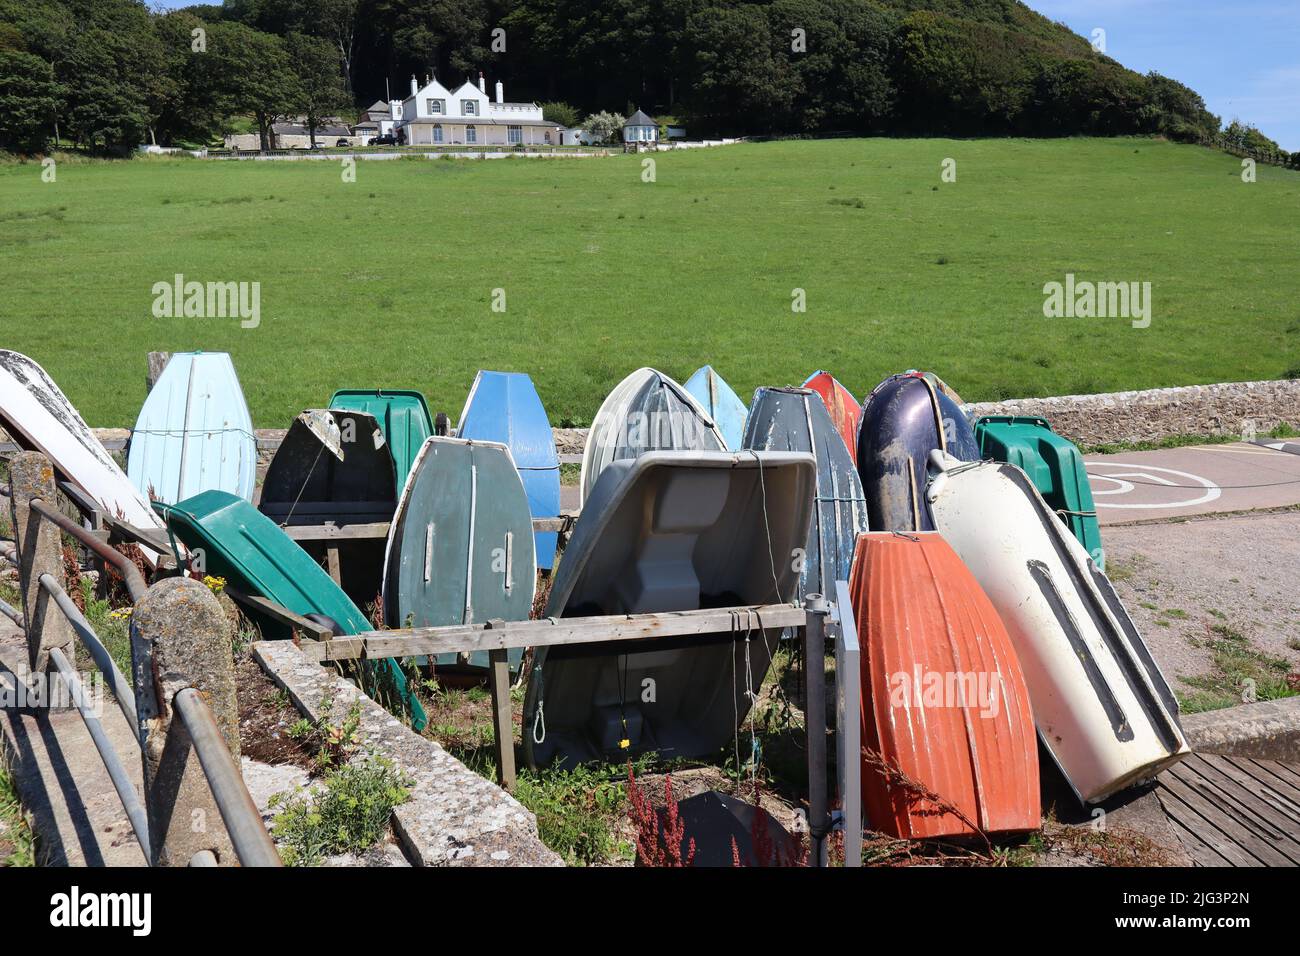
{"x": 669, "y": 531}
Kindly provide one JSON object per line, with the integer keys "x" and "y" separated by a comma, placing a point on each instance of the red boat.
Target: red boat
{"x": 845, "y": 410}
{"x": 947, "y": 734}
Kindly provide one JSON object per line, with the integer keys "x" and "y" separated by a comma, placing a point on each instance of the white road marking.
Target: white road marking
{"x": 1142, "y": 473}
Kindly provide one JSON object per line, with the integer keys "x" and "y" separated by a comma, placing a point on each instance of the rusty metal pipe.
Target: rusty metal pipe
{"x": 135, "y": 584}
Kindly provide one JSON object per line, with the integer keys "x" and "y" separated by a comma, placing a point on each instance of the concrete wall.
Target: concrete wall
{"x": 1149, "y": 415}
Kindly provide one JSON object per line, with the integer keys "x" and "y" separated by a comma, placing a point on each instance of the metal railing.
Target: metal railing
{"x": 248, "y": 835}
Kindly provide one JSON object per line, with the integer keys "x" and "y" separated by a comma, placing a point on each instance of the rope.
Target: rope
{"x": 767, "y": 528}
{"x": 310, "y": 472}
{"x": 539, "y": 719}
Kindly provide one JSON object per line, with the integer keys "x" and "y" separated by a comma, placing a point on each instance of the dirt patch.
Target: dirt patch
{"x": 265, "y": 716}
{"x": 1206, "y": 593}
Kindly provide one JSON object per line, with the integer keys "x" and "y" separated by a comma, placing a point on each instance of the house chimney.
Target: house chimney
{"x": 501, "y": 92}
{"x": 415, "y": 85}
{"x": 482, "y": 83}
{"x": 395, "y": 109}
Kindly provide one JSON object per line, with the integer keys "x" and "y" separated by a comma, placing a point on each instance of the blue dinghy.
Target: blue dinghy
{"x": 722, "y": 404}
{"x": 904, "y": 419}
{"x": 194, "y": 432}
{"x": 796, "y": 419}
{"x": 504, "y": 407}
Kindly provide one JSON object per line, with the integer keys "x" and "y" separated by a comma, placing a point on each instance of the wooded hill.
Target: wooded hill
{"x": 110, "y": 74}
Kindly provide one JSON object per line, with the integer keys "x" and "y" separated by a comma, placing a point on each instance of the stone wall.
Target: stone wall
{"x": 1150, "y": 415}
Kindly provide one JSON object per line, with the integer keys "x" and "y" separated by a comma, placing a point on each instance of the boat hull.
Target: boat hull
{"x": 669, "y": 531}
{"x": 722, "y": 404}
{"x": 647, "y": 411}
{"x": 504, "y": 407}
{"x": 843, "y": 408}
{"x": 795, "y": 419}
{"x": 1053, "y": 464}
{"x": 334, "y": 466}
{"x": 943, "y": 697}
{"x": 254, "y": 555}
{"x": 194, "y": 432}
{"x": 904, "y": 419}
{"x": 39, "y": 417}
{"x": 1103, "y": 709}
{"x": 402, "y": 414}
{"x": 461, "y": 546}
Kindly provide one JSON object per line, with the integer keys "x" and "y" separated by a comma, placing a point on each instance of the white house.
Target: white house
{"x": 640, "y": 128}
{"x": 435, "y": 115}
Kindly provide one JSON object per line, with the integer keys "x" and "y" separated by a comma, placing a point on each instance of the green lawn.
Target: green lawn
{"x": 388, "y": 281}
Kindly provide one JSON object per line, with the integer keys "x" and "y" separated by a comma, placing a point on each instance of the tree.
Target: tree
{"x": 561, "y": 113}
{"x": 602, "y": 127}
{"x": 253, "y": 73}
{"x": 29, "y": 99}
{"x": 320, "y": 90}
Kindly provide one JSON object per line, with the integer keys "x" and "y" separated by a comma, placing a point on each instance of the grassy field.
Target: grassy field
{"x": 388, "y": 281}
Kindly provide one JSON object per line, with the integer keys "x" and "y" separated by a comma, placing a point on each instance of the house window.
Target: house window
{"x": 514, "y": 134}
{"x": 437, "y": 132}
{"x": 469, "y": 107}
{"x": 471, "y": 134}
{"x": 437, "y": 107}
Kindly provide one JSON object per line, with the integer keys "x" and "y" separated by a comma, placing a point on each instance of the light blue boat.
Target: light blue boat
{"x": 504, "y": 407}
{"x": 722, "y": 404}
{"x": 194, "y": 433}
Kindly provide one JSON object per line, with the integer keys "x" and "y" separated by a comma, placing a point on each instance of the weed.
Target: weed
{"x": 17, "y": 844}
{"x": 1239, "y": 669}
{"x": 348, "y": 814}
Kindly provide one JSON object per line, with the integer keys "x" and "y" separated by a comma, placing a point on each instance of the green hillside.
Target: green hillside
{"x": 389, "y": 281}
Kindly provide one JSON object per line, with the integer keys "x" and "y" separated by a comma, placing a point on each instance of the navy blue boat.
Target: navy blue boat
{"x": 796, "y": 419}
{"x": 904, "y": 419}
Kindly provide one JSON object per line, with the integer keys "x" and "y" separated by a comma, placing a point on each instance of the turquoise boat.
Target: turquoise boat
{"x": 1054, "y": 464}
{"x": 194, "y": 432}
{"x": 723, "y": 405}
{"x": 461, "y": 546}
{"x": 403, "y": 414}
{"x": 233, "y": 540}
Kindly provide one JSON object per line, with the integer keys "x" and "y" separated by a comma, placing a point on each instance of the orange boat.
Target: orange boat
{"x": 845, "y": 410}
{"x": 947, "y": 733}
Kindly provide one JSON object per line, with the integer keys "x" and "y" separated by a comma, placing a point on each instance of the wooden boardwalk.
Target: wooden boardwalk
{"x": 1234, "y": 811}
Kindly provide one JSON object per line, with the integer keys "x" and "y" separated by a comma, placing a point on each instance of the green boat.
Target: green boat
{"x": 403, "y": 415}
{"x": 1055, "y": 466}
{"x": 242, "y": 545}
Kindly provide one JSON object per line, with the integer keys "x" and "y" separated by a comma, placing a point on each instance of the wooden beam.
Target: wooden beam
{"x": 258, "y": 604}
{"x": 339, "y": 532}
{"x": 551, "y": 632}
{"x": 503, "y": 725}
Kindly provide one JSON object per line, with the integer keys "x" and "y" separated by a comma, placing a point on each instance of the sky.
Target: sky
{"x": 1242, "y": 56}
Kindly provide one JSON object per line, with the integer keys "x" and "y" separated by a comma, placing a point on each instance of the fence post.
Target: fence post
{"x": 157, "y": 362}
{"x": 180, "y": 639}
{"x": 814, "y": 644}
{"x": 39, "y": 549}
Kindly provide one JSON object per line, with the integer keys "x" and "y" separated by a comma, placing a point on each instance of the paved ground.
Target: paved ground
{"x": 1199, "y": 479}
{"x": 1179, "y": 579}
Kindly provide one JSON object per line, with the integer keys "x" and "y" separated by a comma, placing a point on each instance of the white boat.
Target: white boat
{"x": 194, "y": 432}
{"x": 1102, "y": 708}
{"x": 39, "y": 417}
{"x": 647, "y": 411}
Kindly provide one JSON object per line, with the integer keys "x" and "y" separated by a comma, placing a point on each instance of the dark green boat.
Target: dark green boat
{"x": 1055, "y": 466}
{"x": 403, "y": 414}
{"x": 237, "y": 542}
